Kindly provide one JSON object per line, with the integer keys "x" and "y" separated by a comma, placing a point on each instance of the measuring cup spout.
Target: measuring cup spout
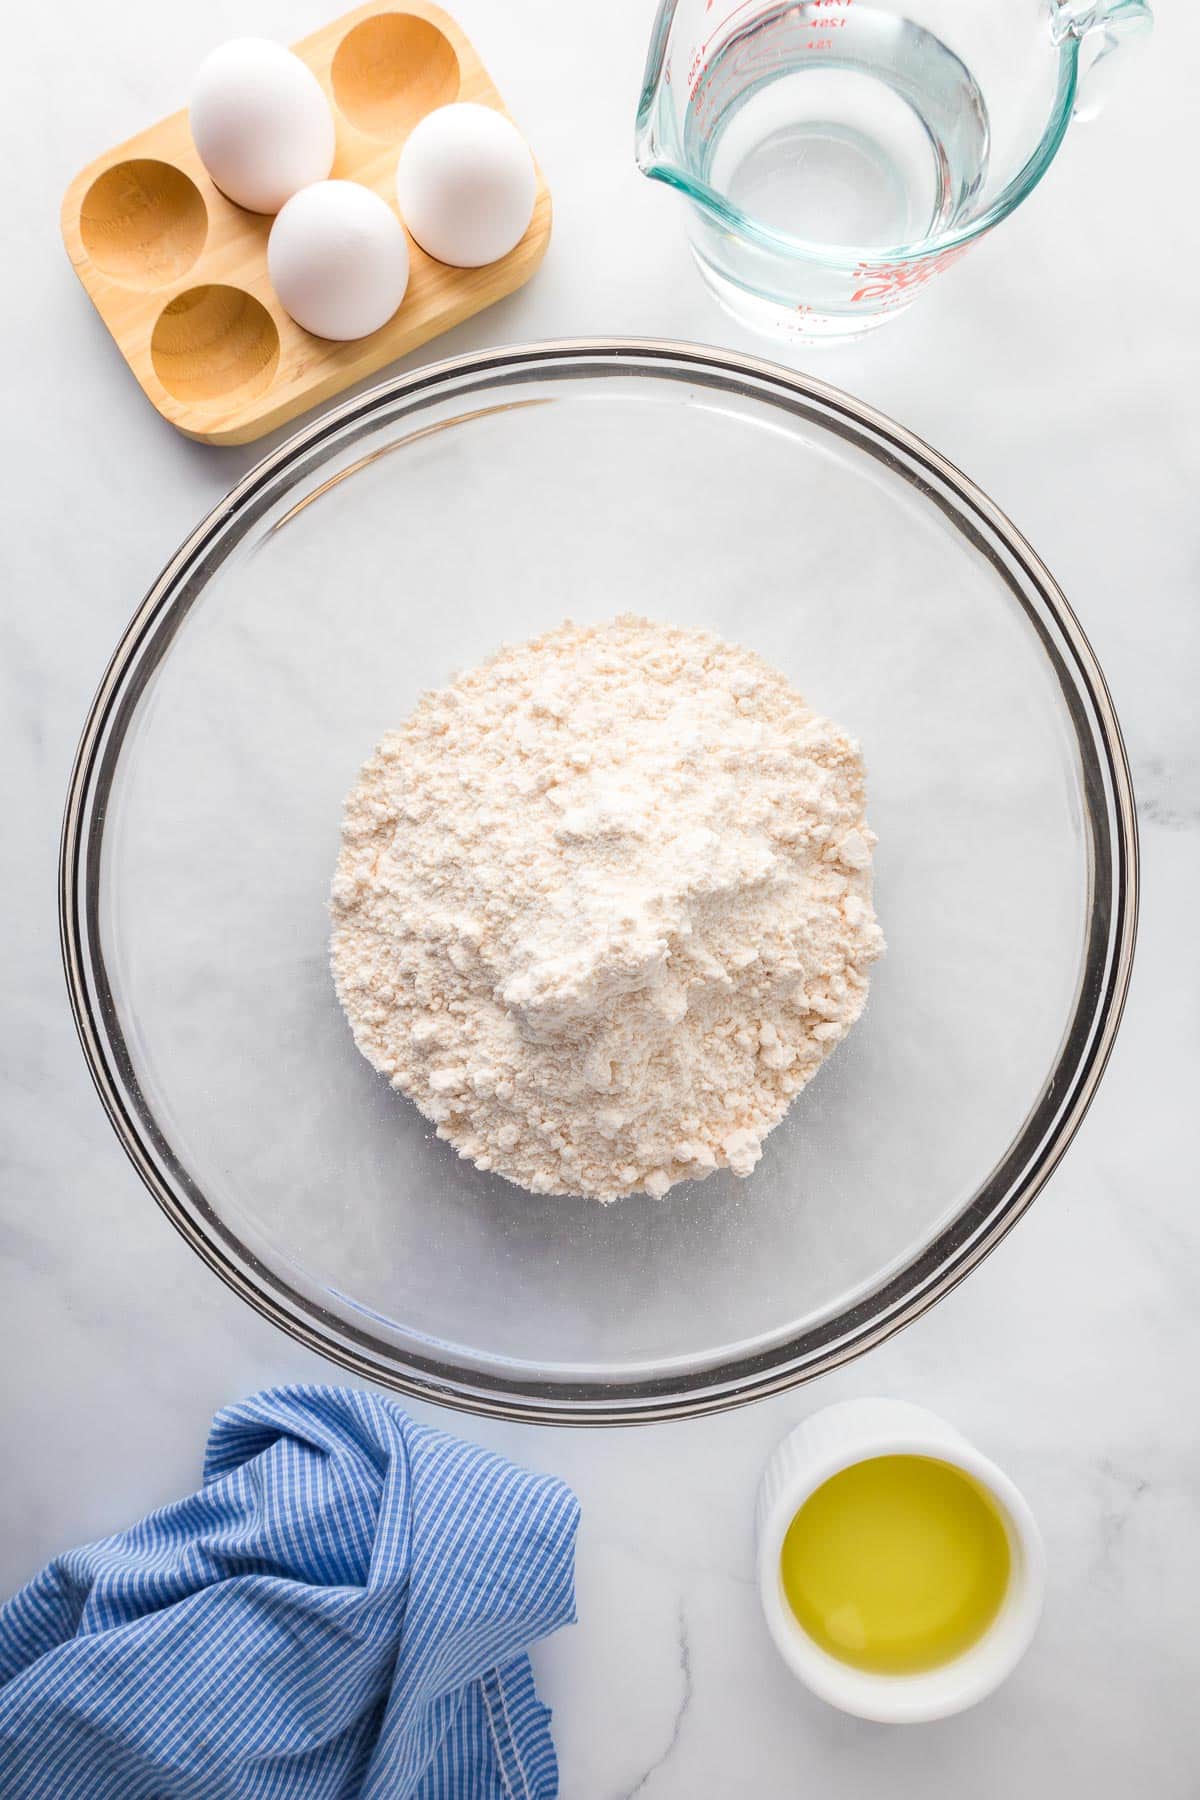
{"x": 656, "y": 145}
{"x": 658, "y": 141}
{"x": 1100, "y": 27}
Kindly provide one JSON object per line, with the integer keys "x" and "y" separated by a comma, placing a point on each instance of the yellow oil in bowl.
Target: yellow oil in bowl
{"x": 897, "y": 1565}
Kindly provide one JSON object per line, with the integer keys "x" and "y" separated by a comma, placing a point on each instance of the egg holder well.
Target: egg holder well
{"x": 178, "y": 273}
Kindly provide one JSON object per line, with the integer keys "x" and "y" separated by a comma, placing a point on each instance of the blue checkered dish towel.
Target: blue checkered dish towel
{"x": 342, "y": 1610}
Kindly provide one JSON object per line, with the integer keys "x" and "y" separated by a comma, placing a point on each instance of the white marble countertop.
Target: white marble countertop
{"x": 1058, "y": 366}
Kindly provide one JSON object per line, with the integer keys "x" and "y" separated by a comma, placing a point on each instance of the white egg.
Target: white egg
{"x": 466, "y": 185}
{"x": 338, "y": 259}
{"x": 261, "y": 123}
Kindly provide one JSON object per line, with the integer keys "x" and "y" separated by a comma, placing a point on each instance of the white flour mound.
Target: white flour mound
{"x": 604, "y": 905}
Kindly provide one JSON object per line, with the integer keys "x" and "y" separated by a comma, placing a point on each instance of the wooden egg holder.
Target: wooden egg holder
{"x": 178, "y": 273}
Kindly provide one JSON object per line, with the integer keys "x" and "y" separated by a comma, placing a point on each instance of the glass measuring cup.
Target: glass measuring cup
{"x": 837, "y": 154}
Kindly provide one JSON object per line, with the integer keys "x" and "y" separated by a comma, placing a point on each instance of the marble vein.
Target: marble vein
{"x": 685, "y": 1700}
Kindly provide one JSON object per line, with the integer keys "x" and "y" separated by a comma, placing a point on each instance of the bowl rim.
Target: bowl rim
{"x": 906, "y": 1292}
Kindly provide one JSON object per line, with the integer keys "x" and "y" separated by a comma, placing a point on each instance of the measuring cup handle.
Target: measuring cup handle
{"x": 1101, "y": 28}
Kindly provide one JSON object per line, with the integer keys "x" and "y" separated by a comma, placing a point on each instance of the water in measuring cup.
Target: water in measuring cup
{"x": 847, "y": 128}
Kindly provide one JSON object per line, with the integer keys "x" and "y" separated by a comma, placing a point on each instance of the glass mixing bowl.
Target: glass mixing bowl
{"x": 404, "y": 536}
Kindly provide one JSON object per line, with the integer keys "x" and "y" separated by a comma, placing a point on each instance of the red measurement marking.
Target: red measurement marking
{"x": 890, "y": 282}
{"x": 700, "y": 64}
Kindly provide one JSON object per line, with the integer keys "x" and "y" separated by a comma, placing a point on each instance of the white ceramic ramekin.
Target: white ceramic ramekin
{"x": 852, "y": 1432}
